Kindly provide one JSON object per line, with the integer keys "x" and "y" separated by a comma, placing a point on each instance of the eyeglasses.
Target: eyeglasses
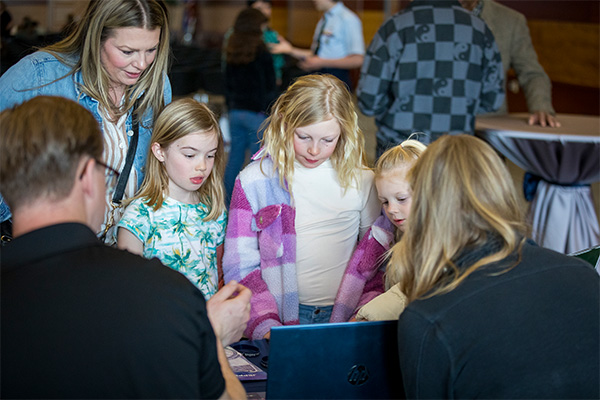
{"x": 112, "y": 177}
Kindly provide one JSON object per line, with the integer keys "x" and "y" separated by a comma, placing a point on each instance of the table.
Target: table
{"x": 260, "y": 386}
{"x": 567, "y": 159}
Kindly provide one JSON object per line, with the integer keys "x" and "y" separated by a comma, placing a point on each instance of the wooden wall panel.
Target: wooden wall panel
{"x": 568, "y": 51}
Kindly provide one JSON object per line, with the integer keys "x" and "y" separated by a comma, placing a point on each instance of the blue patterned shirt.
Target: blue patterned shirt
{"x": 176, "y": 235}
{"x": 430, "y": 68}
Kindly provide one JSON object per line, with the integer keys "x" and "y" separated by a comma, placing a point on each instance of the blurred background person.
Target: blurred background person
{"x": 514, "y": 42}
{"x": 338, "y": 44}
{"x": 250, "y": 88}
{"x": 430, "y": 68}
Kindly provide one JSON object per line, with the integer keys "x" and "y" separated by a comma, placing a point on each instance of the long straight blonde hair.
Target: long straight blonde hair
{"x": 181, "y": 118}
{"x": 463, "y": 196}
{"x": 309, "y": 100}
{"x": 81, "y": 51}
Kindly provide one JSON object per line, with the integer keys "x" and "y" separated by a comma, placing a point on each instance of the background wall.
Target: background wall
{"x": 565, "y": 34}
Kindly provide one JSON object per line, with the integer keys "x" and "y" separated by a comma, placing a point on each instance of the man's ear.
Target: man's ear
{"x": 158, "y": 152}
{"x": 85, "y": 173}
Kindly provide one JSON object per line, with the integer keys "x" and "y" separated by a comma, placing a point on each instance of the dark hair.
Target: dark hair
{"x": 251, "y": 2}
{"x": 246, "y": 40}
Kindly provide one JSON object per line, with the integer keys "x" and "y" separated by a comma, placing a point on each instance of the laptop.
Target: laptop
{"x": 354, "y": 360}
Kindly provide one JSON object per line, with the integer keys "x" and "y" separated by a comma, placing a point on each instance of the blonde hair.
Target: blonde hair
{"x": 399, "y": 156}
{"x": 463, "y": 196}
{"x": 309, "y": 100}
{"x": 179, "y": 119}
{"x": 81, "y": 51}
{"x": 403, "y": 155}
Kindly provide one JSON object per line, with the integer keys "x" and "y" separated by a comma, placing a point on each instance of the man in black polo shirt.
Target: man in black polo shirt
{"x": 80, "y": 319}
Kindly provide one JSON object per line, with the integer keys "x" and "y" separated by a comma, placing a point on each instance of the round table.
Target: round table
{"x": 567, "y": 159}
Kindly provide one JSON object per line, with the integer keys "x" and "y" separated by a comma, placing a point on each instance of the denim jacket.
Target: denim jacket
{"x": 31, "y": 77}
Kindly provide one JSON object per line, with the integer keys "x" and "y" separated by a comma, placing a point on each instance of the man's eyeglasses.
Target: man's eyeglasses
{"x": 112, "y": 177}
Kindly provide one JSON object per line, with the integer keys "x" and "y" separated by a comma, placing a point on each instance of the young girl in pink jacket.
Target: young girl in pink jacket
{"x": 364, "y": 277}
{"x": 298, "y": 210}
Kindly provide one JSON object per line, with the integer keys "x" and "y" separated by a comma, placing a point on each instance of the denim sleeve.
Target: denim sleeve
{"x": 15, "y": 84}
{"x": 4, "y": 210}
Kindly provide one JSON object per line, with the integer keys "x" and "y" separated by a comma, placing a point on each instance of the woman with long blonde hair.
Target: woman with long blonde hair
{"x": 490, "y": 314}
{"x": 299, "y": 209}
{"x": 114, "y": 64}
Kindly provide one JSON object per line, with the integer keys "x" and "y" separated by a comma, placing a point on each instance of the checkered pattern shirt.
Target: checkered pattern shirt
{"x": 430, "y": 68}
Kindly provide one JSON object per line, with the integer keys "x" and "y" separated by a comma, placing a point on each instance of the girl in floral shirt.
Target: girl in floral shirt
{"x": 179, "y": 214}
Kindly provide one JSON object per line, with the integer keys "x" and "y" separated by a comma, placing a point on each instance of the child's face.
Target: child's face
{"x": 315, "y": 143}
{"x": 188, "y": 161}
{"x": 395, "y": 195}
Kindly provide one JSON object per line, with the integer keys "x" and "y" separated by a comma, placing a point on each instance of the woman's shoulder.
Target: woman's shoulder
{"x": 36, "y": 74}
{"x": 44, "y": 59}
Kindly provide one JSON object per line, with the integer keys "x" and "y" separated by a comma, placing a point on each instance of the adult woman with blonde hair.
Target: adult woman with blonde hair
{"x": 490, "y": 314}
{"x": 298, "y": 211}
{"x": 114, "y": 64}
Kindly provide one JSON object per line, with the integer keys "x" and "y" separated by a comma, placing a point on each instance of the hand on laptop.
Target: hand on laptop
{"x": 229, "y": 312}
{"x": 387, "y": 306}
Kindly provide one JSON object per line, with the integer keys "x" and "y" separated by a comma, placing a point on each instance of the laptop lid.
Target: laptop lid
{"x": 354, "y": 360}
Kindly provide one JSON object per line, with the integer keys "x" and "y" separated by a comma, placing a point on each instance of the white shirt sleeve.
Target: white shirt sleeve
{"x": 371, "y": 206}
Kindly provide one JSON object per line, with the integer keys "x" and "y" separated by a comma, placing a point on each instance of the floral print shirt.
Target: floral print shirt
{"x": 177, "y": 235}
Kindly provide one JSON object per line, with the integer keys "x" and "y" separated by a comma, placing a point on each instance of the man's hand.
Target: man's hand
{"x": 283, "y": 47}
{"x": 544, "y": 119}
{"x": 311, "y": 63}
{"x": 229, "y": 312}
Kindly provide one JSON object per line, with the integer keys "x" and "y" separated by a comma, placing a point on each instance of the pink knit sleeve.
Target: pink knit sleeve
{"x": 241, "y": 262}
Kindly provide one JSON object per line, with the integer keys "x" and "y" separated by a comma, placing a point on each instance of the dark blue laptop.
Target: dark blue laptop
{"x": 354, "y": 360}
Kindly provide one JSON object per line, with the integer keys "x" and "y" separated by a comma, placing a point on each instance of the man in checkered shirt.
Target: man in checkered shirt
{"x": 430, "y": 68}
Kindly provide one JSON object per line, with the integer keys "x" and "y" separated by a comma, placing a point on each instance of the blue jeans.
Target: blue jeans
{"x": 244, "y": 128}
{"x": 314, "y": 314}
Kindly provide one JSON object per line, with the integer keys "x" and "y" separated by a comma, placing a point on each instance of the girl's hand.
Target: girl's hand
{"x": 387, "y": 306}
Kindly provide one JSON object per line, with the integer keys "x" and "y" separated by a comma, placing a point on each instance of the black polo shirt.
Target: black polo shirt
{"x": 83, "y": 320}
